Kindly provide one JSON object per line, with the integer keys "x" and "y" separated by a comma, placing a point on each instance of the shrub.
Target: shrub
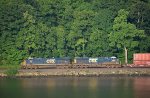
{"x": 11, "y": 72}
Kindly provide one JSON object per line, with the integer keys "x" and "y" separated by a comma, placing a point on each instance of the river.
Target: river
{"x": 75, "y": 87}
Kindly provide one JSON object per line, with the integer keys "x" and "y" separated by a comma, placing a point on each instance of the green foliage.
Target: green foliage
{"x": 98, "y": 44}
{"x": 69, "y": 28}
{"x": 125, "y": 35}
{"x": 139, "y": 15}
{"x": 11, "y": 72}
{"x": 10, "y": 24}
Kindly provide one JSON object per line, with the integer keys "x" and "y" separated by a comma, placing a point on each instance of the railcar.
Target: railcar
{"x": 108, "y": 62}
{"x": 140, "y": 60}
{"x": 77, "y": 62}
{"x": 46, "y": 63}
{"x": 80, "y": 62}
{"x": 98, "y": 62}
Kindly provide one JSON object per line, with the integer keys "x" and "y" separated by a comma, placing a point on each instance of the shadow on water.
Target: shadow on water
{"x": 75, "y": 87}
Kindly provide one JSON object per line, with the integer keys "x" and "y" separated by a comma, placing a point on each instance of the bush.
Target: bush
{"x": 11, "y": 72}
{"x": 10, "y": 66}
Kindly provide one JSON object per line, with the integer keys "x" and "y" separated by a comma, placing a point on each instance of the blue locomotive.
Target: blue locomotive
{"x": 66, "y": 62}
{"x": 46, "y": 62}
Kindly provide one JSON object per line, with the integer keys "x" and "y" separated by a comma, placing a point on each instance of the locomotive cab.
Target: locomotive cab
{"x": 114, "y": 59}
{"x": 30, "y": 60}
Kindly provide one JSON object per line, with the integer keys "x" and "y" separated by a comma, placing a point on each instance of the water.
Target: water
{"x": 75, "y": 87}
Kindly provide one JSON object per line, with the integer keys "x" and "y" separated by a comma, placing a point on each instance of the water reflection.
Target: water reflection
{"x": 141, "y": 87}
{"x": 76, "y": 87}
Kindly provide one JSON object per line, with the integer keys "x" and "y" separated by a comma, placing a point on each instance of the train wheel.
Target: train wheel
{"x": 35, "y": 67}
{"x": 112, "y": 66}
{"x": 65, "y": 67}
{"x": 108, "y": 66}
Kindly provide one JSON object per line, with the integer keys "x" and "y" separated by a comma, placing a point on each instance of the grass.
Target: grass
{"x": 10, "y": 70}
{"x": 9, "y": 66}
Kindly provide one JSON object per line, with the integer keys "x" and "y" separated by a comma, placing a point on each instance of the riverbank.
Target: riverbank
{"x": 80, "y": 72}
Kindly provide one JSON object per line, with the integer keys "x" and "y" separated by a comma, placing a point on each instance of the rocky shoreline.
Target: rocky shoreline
{"x": 80, "y": 72}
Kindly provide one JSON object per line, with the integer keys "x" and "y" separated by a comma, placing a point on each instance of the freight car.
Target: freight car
{"x": 140, "y": 60}
{"x": 77, "y": 62}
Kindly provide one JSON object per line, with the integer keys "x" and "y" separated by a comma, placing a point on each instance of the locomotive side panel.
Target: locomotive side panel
{"x": 62, "y": 62}
{"x": 108, "y": 62}
{"x": 80, "y": 62}
{"x": 46, "y": 62}
{"x": 97, "y": 62}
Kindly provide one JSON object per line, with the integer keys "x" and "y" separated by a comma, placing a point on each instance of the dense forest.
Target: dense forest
{"x": 73, "y": 28}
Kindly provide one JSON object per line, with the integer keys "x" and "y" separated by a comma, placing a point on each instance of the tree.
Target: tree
{"x": 32, "y": 39}
{"x": 11, "y": 22}
{"x": 125, "y": 35}
{"x": 59, "y": 28}
{"x": 61, "y": 41}
{"x": 98, "y": 44}
{"x": 26, "y": 36}
{"x": 82, "y": 25}
{"x": 139, "y": 15}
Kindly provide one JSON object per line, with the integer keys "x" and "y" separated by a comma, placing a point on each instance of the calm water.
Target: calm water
{"x": 76, "y": 87}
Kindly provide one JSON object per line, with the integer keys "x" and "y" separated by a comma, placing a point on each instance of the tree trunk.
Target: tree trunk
{"x": 126, "y": 55}
{"x": 83, "y": 46}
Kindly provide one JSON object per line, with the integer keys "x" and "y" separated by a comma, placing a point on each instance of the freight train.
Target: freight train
{"x": 139, "y": 60}
{"x": 66, "y": 62}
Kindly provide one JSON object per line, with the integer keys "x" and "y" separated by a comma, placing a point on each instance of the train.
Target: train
{"x": 66, "y": 62}
{"x": 139, "y": 60}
